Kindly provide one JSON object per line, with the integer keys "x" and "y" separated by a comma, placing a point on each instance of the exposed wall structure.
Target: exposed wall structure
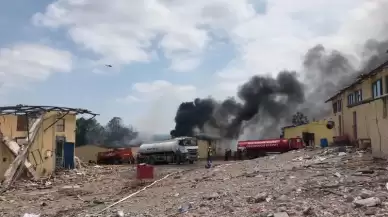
{"x": 202, "y": 148}
{"x": 42, "y": 151}
{"x": 360, "y": 110}
{"x": 317, "y": 127}
{"x": 216, "y": 144}
{"x": 88, "y": 153}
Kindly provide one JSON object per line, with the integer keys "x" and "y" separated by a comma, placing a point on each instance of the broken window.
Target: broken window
{"x": 22, "y": 123}
{"x": 386, "y": 84}
{"x": 351, "y": 99}
{"x": 335, "y": 107}
{"x": 339, "y": 105}
{"x": 61, "y": 125}
{"x": 377, "y": 88}
{"x": 358, "y": 96}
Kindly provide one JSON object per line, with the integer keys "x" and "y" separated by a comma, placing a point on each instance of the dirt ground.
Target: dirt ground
{"x": 328, "y": 182}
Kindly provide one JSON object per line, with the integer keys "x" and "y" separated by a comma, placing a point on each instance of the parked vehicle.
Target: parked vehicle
{"x": 256, "y": 148}
{"x": 116, "y": 156}
{"x": 178, "y": 150}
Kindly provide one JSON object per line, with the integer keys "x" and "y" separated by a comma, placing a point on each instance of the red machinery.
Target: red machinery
{"x": 115, "y": 156}
{"x": 256, "y": 148}
{"x": 144, "y": 171}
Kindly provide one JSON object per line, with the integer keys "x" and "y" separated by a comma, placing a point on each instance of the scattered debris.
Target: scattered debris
{"x": 313, "y": 179}
{"x": 260, "y": 197}
{"x": 30, "y": 215}
{"x": 120, "y": 213}
{"x": 281, "y": 214}
{"x": 368, "y": 202}
{"x": 15, "y": 169}
{"x": 185, "y": 208}
{"x": 341, "y": 154}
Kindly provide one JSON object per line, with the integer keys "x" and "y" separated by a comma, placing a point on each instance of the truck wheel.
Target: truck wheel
{"x": 177, "y": 159}
{"x": 151, "y": 161}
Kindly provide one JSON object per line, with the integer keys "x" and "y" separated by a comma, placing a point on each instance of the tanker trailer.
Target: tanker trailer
{"x": 257, "y": 148}
{"x": 178, "y": 150}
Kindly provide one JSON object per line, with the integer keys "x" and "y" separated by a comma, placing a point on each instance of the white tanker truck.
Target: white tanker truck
{"x": 178, "y": 150}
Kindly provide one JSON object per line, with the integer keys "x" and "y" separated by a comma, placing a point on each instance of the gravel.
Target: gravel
{"x": 298, "y": 183}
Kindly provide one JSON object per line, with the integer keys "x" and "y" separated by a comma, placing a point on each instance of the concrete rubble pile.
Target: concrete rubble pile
{"x": 330, "y": 182}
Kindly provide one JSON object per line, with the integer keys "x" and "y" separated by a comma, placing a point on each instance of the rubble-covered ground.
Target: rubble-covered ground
{"x": 329, "y": 182}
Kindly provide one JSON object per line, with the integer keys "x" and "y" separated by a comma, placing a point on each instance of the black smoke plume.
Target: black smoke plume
{"x": 273, "y": 97}
{"x": 265, "y": 104}
{"x": 191, "y": 115}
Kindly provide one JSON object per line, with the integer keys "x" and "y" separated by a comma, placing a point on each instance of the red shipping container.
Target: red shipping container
{"x": 145, "y": 171}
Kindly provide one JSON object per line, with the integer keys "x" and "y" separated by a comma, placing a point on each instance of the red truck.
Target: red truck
{"x": 116, "y": 156}
{"x": 256, "y": 148}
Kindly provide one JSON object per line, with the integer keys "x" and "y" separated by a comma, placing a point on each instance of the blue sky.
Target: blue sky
{"x": 163, "y": 52}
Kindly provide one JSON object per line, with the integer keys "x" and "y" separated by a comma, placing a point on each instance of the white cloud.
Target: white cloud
{"x": 159, "y": 100}
{"x": 23, "y": 63}
{"x": 159, "y": 90}
{"x": 278, "y": 39}
{"x": 123, "y": 31}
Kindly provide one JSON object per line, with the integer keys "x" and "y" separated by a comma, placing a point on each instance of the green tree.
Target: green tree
{"x": 118, "y": 134}
{"x": 299, "y": 119}
{"x": 89, "y": 131}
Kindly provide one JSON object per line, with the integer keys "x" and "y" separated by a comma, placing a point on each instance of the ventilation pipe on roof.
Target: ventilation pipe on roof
{"x": 330, "y": 125}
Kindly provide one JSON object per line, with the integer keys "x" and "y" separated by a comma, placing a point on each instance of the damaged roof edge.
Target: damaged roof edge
{"x": 359, "y": 79}
{"x": 31, "y": 109}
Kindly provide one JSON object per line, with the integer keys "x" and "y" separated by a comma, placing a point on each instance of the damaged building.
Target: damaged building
{"x": 360, "y": 110}
{"x": 317, "y": 130}
{"x": 40, "y": 139}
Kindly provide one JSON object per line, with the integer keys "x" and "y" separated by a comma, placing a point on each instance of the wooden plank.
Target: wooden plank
{"x": 12, "y": 172}
{"x": 15, "y": 148}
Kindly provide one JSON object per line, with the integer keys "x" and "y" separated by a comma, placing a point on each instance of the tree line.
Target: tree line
{"x": 114, "y": 134}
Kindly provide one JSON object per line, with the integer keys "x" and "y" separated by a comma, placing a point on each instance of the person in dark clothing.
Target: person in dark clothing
{"x": 239, "y": 154}
{"x": 228, "y": 154}
{"x": 209, "y": 157}
{"x": 209, "y": 154}
{"x": 178, "y": 156}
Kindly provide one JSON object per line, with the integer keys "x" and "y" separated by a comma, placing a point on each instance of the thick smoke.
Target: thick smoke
{"x": 265, "y": 104}
{"x": 191, "y": 115}
{"x": 327, "y": 71}
{"x": 274, "y": 98}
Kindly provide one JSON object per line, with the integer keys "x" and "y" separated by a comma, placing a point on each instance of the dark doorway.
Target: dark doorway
{"x": 68, "y": 153}
{"x": 339, "y": 125}
{"x": 355, "y": 125}
{"x": 59, "y": 144}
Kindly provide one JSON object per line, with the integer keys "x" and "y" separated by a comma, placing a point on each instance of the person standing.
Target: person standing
{"x": 178, "y": 156}
{"x": 228, "y": 154}
{"x": 209, "y": 156}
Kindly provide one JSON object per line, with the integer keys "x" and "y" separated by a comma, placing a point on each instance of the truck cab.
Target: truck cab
{"x": 177, "y": 150}
{"x": 188, "y": 147}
